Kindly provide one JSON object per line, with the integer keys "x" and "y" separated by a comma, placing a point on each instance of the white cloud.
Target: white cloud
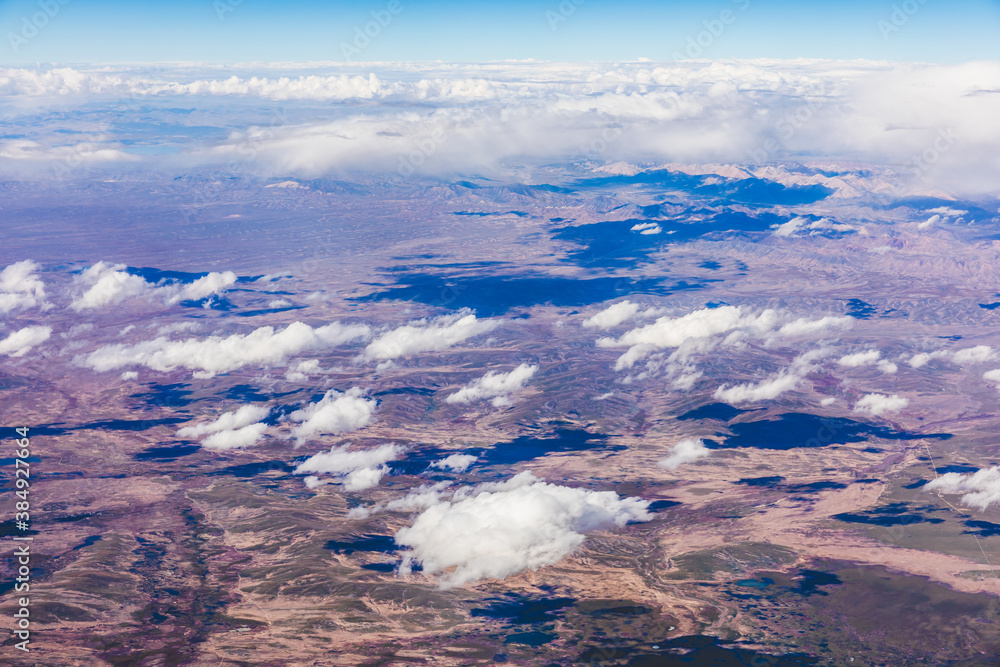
{"x": 981, "y": 489}
{"x": 478, "y": 117}
{"x": 335, "y": 413}
{"x": 667, "y": 332}
{"x": 807, "y": 327}
{"x": 612, "y": 316}
{"x": 773, "y": 387}
{"x": 880, "y": 404}
{"x": 494, "y": 530}
{"x": 929, "y": 222}
{"x": 231, "y": 430}
{"x": 701, "y": 330}
{"x": 21, "y": 341}
{"x": 646, "y": 228}
{"x": 494, "y": 385}
{"x": 992, "y": 376}
{"x": 685, "y": 379}
{"x": 920, "y": 360}
{"x": 789, "y": 228}
{"x": 302, "y": 370}
{"x": 432, "y": 335}
{"x": 969, "y": 355}
{"x": 206, "y": 286}
{"x": 759, "y": 391}
{"x": 364, "y": 478}
{"x": 235, "y": 439}
{"x": 860, "y": 359}
{"x": 685, "y": 451}
{"x": 800, "y": 226}
{"x": 941, "y": 213}
{"x": 455, "y": 462}
{"x": 974, "y": 355}
{"x": 356, "y": 470}
{"x": 424, "y": 496}
{"x": 868, "y": 358}
{"x": 218, "y": 354}
{"x": 108, "y": 284}
{"x": 20, "y": 287}
{"x": 227, "y": 421}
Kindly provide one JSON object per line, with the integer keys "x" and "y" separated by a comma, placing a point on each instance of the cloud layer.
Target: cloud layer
{"x": 475, "y": 118}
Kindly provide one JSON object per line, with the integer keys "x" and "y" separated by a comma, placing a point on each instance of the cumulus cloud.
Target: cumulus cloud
{"x": 939, "y": 214}
{"x": 880, "y": 404}
{"x": 21, "y": 341}
{"x": 773, "y": 387}
{"x": 302, "y": 370}
{"x": 494, "y": 530}
{"x": 335, "y": 413}
{"x": 431, "y": 335}
{"x": 356, "y": 470}
{"x": 860, "y": 359}
{"x": 612, "y": 316}
{"x": 495, "y": 385}
{"x": 231, "y": 430}
{"x": 222, "y": 354}
{"x": 992, "y": 376}
{"x": 868, "y": 358}
{"x": 759, "y": 391}
{"x": 646, "y": 228}
{"x": 703, "y": 329}
{"x": 974, "y": 355}
{"x": 20, "y": 287}
{"x": 801, "y": 226}
{"x": 206, "y": 286}
{"x": 806, "y": 327}
{"x": 981, "y": 489}
{"x": 455, "y": 462}
{"x": 685, "y": 451}
{"x": 107, "y": 284}
{"x": 969, "y": 355}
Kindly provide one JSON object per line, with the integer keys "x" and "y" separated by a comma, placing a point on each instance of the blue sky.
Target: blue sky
{"x": 231, "y": 31}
